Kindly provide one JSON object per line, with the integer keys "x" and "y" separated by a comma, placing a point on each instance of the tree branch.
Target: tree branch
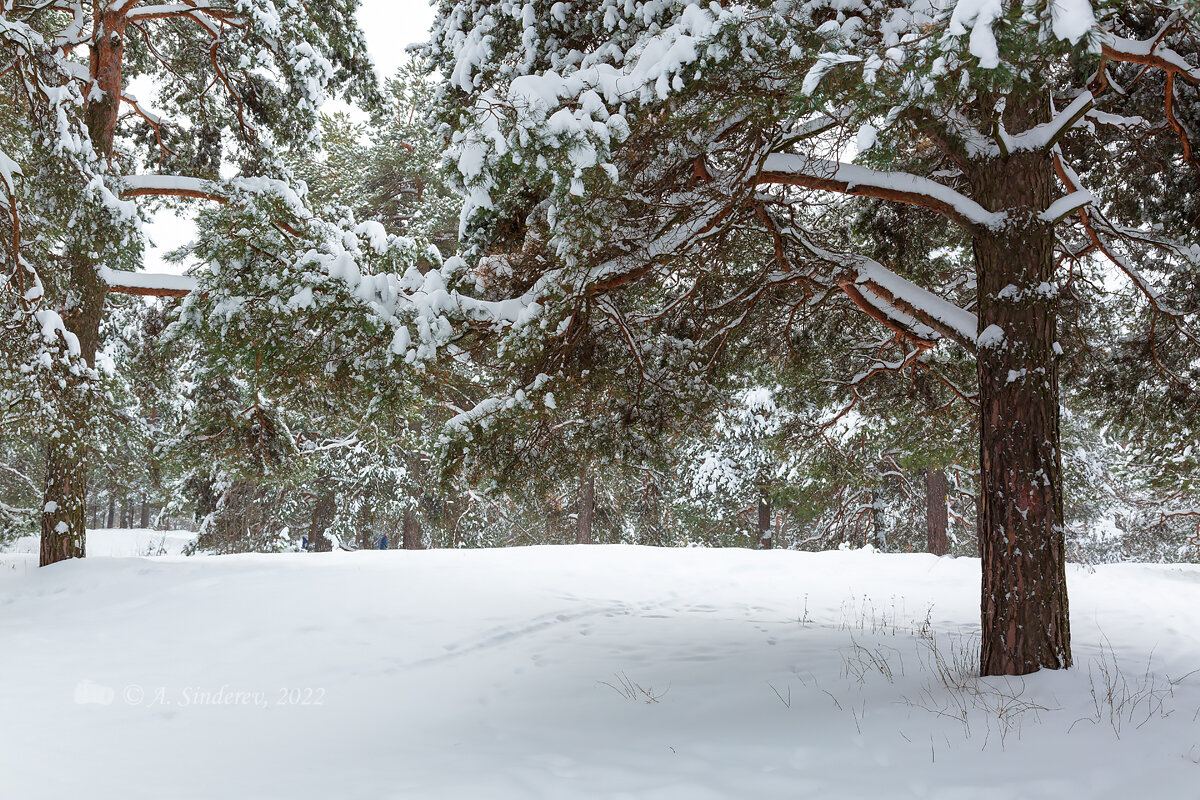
{"x": 901, "y": 187}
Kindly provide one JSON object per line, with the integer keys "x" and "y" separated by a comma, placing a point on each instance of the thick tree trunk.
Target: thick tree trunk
{"x": 63, "y": 521}
{"x": 112, "y": 511}
{"x": 936, "y": 514}
{"x": 411, "y": 531}
{"x": 105, "y": 66}
{"x": 324, "y": 510}
{"x": 1024, "y": 609}
{"x": 145, "y": 514}
{"x": 765, "y": 539}
{"x": 587, "y": 508}
{"x": 64, "y": 499}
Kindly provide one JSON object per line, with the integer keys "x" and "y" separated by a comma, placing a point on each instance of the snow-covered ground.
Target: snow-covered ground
{"x": 122, "y": 542}
{"x": 579, "y": 672}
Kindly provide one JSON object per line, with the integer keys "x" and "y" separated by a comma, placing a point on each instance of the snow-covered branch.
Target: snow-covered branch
{"x": 1046, "y": 135}
{"x": 921, "y": 313}
{"x": 902, "y": 187}
{"x": 160, "y": 10}
{"x": 147, "y": 284}
{"x": 171, "y": 186}
{"x": 1067, "y": 205}
{"x": 1152, "y": 53}
{"x": 1103, "y": 234}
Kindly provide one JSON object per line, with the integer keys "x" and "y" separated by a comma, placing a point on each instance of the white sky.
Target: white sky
{"x": 390, "y": 26}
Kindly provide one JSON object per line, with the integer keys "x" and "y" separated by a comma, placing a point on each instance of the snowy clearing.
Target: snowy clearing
{"x": 578, "y": 672}
{"x": 119, "y": 542}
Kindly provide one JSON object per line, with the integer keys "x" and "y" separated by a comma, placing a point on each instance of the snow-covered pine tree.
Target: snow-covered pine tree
{"x": 234, "y": 80}
{"x": 739, "y": 468}
{"x": 615, "y": 145}
{"x": 389, "y": 169}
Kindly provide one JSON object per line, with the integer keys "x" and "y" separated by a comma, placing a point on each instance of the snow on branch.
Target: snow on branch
{"x": 618, "y": 271}
{"x": 1065, "y": 206}
{"x": 923, "y": 313}
{"x": 9, "y": 170}
{"x": 903, "y": 187}
{"x": 1046, "y": 135}
{"x": 159, "y": 10}
{"x": 147, "y": 284}
{"x": 146, "y": 114}
{"x": 73, "y": 33}
{"x": 1151, "y": 53}
{"x": 171, "y": 186}
{"x": 1125, "y": 123}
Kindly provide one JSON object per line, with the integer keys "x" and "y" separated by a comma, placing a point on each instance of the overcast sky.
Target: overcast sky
{"x": 390, "y": 26}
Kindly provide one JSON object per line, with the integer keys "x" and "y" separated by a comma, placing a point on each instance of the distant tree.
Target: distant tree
{"x": 390, "y": 168}
{"x": 739, "y": 466}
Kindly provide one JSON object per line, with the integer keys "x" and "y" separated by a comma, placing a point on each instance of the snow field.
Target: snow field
{"x": 580, "y": 672}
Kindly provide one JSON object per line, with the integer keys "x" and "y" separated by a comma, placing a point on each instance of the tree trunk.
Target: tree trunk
{"x": 587, "y": 507}
{"x": 65, "y": 497}
{"x": 765, "y": 539}
{"x": 878, "y": 531}
{"x": 936, "y": 516}
{"x": 365, "y": 540}
{"x": 324, "y": 510}
{"x": 63, "y": 521}
{"x": 112, "y": 510}
{"x": 1024, "y": 608}
{"x": 145, "y": 523}
{"x": 411, "y": 531}
{"x": 105, "y": 67}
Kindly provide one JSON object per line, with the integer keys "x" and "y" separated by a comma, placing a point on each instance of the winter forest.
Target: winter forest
{"x": 827, "y": 333}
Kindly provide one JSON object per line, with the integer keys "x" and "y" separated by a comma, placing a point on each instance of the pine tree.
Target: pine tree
{"x": 77, "y": 135}
{"x": 610, "y": 157}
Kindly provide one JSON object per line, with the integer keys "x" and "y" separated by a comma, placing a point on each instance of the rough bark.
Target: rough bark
{"x": 145, "y": 523}
{"x": 64, "y": 499}
{"x": 323, "y": 512}
{"x": 1024, "y": 608}
{"x": 105, "y": 67}
{"x": 587, "y": 509}
{"x": 765, "y": 539}
{"x": 936, "y": 514}
{"x": 411, "y": 531}
{"x": 63, "y": 521}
